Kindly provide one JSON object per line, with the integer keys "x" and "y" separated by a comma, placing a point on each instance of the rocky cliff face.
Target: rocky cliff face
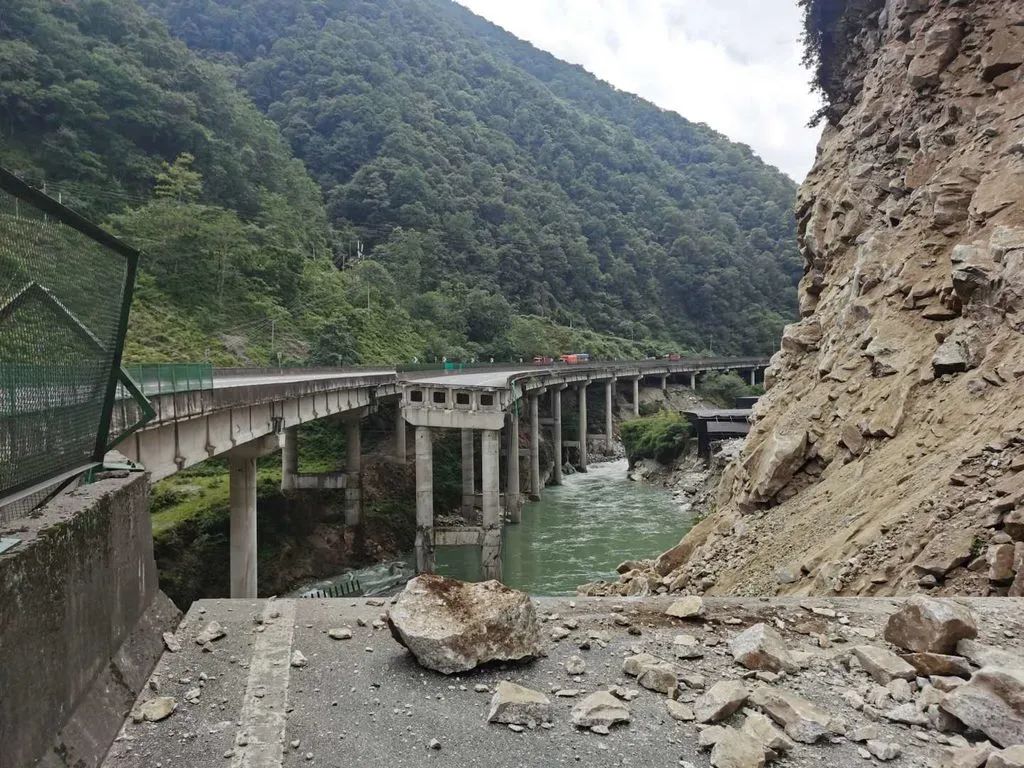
{"x": 888, "y": 454}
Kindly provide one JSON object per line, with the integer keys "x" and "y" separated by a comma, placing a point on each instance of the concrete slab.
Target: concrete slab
{"x": 365, "y": 702}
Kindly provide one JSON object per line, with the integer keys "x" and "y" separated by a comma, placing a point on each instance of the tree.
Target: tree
{"x": 335, "y": 345}
{"x": 177, "y": 180}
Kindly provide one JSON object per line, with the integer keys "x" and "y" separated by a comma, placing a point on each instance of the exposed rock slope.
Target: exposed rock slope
{"x": 888, "y": 456}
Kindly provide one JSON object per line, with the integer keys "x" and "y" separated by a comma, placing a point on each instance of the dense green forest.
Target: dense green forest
{"x": 337, "y": 181}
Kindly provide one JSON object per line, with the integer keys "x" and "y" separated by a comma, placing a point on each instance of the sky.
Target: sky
{"x": 733, "y": 64}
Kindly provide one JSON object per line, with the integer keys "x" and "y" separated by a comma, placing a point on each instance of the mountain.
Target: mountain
{"x": 479, "y": 197}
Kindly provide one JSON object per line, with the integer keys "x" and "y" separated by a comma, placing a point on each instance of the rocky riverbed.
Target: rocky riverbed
{"x": 722, "y": 682}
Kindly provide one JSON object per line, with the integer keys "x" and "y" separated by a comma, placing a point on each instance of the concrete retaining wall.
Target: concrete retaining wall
{"x": 81, "y": 617}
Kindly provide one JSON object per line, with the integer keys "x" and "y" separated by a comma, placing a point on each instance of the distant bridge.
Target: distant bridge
{"x": 243, "y": 414}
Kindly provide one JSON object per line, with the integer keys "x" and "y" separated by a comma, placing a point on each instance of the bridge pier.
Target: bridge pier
{"x": 753, "y": 376}
{"x": 354, "y": 472}
{"x": 664, "y": 383}
{"x": 556, "y": 432}
{"x": 512, "y": 507}
{"x": 290, "y": 459}
{"x": 534, "y": 447}
{"x": 582, "y": 390}
{"x": 490, "y": 550}
{"x": 242, "y": 506}
{"x": 401, "y": 444}
{"x": 609, "y": 401}
{"x": 636, "y": 396}
{"x": 468, "y": 473}
{"x": 424, "y": 501}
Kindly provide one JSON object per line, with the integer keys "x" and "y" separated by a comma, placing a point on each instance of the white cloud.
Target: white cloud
{"x": 733, "y": 64}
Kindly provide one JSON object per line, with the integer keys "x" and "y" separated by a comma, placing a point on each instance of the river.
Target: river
{"x": 578, "y": 532}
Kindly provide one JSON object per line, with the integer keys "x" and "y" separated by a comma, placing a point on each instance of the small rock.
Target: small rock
{"x": 938, "y": 664}
{"x": 154, "y": 710}
{"x": 800, "y": 719}
{"x": 658, "y": 677}
{"x": 634, "y": 665}
{"x": 689, "y": 607}
{"x": 171, "y": 642}
{"x": 761, "y": 647}
{"x": 434, "y": 744}
{"x": 883, "y": 665}
{"x": 679, "y": 711}
{"x": 1013, "y": 757}
{"x": 212, "y": 631}
{"x": 908, "y": 714}
{"x": 883, "y": 750}
{"x": 687, "y": 647}
{"x": 517, "y": 704}
{"x": 575, "y": 665}
{"x": 340, "y": 633}
{"x": 735, "y": 749}
{"x": 298, "y": 659}
{"x": 721, "y": 700}
{"x": 601, "y": 709}
{"x": 761, "y": 729}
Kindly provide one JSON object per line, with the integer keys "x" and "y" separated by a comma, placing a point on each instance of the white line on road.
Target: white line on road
{"x": 260, "y": 741}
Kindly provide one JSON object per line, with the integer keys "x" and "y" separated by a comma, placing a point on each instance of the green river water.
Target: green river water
{"x": 577, "y": 532}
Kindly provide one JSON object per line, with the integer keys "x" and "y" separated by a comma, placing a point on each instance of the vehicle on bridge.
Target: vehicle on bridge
{"x": 543, "y": 360}
{"x": 575, "y": 358}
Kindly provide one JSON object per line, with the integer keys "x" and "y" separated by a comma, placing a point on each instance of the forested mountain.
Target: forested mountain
{"x": 481, "y": 195}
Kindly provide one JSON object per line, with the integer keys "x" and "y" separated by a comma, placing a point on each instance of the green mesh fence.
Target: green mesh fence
{"x": 65, "y": 289}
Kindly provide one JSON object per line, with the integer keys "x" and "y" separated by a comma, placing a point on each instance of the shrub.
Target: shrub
{"x": 662, "y": 437}
{"x": 649, "y": 409}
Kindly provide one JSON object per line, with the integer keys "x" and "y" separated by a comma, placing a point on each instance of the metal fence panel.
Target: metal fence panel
{"x": 65, "y": 290}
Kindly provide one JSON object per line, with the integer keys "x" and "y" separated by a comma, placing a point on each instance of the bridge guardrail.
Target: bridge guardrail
{"x": 166, "y": 378}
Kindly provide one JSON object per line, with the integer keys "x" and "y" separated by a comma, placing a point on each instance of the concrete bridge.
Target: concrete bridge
{"x": 249, "y": 413}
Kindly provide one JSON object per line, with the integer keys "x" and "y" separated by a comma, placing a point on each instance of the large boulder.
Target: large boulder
{"x": 772, "y": 464}
{"x": 992, "y": 702}
{"x": 925, "y": 625}
{"x": 452, "y": 626}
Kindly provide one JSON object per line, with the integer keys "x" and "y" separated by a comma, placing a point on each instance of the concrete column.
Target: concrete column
{"x": 515, "y": 514}
{"x": 242, "y": 502}
{"x": 490, "y": 552}
{"x": 468, "y": 472}
{"x": 401, "y": 451}
{"x": 753, "y": 376}
{"x": 636, "y": 396}
{"x": 693, "y": 380}
{"x": 609, "y": 400}
{"x": 556, "y": 433}
{"x": 534, "y": 448}
{"x": 424, "y": 501}
{"x": 582, "y": 389}
{"x": 354, "y": 472}
{"x": 289, "y": 458}
{"x": 664, "y": 383}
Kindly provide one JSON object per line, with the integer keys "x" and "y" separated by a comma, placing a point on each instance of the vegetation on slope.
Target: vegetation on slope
{"x": 663, "y": 437}
{"x": 463, "y": 159}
